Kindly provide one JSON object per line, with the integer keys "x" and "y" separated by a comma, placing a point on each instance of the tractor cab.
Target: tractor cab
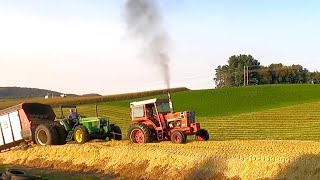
{"x": 153, "y": 110}
{"x": 72, "y": 119}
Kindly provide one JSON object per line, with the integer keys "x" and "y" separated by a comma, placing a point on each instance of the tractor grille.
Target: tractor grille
{"x": 191, "y": 117}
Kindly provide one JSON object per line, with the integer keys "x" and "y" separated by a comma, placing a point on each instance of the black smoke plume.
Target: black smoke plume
{"x": 144, "y": 23}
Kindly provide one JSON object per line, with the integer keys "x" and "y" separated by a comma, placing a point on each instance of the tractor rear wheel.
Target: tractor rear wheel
{"x": 115, "y": 133}
{"x": 62, "y": 133}
{"x": 178, "y": 137}
{"x": 202, "y": 135}
{"x": 46, "y": 134}
{"x": 81, "y": 134}
{"x": 139, "y": 133}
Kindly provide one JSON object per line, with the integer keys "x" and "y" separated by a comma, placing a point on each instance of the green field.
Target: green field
{"x": 256, "y": 112}
{"x": 231, "y": 101}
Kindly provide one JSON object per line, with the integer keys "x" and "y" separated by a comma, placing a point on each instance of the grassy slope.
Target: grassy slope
{"x": 227, "y": 113}
{"x": 241, "y": 113}
{"x": 249, "y": 99}
{"x": 298, "y": 122}
{"x": 231, "y": 101}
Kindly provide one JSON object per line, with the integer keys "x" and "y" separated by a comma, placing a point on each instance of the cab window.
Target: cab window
{"x": 137, "y": 112}
{"x": 163, "y": 107}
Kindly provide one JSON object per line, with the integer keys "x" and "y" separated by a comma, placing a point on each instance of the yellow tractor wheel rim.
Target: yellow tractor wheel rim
{"x": 78, "y": 136}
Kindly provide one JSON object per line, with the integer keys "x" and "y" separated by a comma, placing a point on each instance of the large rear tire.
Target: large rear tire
{"x": 46, "y": 134}
{"x": 202, "y": 135}
{"x": 81, "y": 134}
{"x": 139, "y": 133}
{"x": 62, "y": 133}
{"x": 115, "y": 133}
{"x": 178, "y": 137}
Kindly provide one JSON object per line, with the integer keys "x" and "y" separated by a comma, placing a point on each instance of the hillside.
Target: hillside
{"x": 89, "y": 98}
{"x": 22, "y": 92}
{"x": 231, "y": 101}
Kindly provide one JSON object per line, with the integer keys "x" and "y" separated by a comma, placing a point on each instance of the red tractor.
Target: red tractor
{"x": 154, "y": 120}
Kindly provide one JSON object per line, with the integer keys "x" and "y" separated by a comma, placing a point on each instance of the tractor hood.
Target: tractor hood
{"x": 90, "y": 119}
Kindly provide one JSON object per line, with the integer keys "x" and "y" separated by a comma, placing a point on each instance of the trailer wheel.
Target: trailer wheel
{"x": 139, "y": 133}
{"x": 118, "y": 134}
{"x": 46, "y": 134}
{"x": 81, "y": 134}
{"x": 62, "y": 133}
{"x": 178, "y": 137}
{"x": 202, "y": 135}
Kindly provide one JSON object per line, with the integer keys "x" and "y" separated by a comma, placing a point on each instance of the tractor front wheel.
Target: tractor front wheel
{"x": 202, "y": 135}
{"x": 178, "y": 137}
{"x": 139, "y": 133}
{"x": 81, "y": 134}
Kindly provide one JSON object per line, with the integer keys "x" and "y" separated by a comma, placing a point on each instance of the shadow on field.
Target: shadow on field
{"x": 306, "y": 167}
{"x": 212, "y": 168}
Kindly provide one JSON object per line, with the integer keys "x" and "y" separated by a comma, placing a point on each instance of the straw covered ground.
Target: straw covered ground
{"x": 265, "y": 159}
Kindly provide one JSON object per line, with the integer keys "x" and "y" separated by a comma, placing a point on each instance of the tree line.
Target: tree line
{"x": 245, "y": 69}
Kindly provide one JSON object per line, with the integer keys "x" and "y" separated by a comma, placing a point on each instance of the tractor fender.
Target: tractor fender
{"x": 147, "y": 122}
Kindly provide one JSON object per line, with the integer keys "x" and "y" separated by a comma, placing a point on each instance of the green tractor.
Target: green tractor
{"x": 82, "y": 129}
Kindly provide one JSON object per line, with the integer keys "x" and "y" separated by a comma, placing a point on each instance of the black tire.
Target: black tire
{"x": 81, "y": 134}
{"x": 178, "y": 137}
{"x": 139, "y": 133}
{"x": 62, "y": 133}
{"x": 46, "y": 134}
{"x": 117, "y": 130}
{"x": 202, "y": 135}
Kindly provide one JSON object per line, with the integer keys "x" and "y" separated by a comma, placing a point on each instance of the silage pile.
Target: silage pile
{"x": 194, "y": 160}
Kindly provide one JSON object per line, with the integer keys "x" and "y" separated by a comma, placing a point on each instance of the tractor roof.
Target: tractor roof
{"x": 149, "y": 101}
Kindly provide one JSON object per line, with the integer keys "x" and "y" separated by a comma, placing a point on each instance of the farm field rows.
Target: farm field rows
{"x": 298, "y": 122}
{"x": 263, "y": 159}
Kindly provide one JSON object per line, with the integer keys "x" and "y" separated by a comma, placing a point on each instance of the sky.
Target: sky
{"x": 81, "y": 46}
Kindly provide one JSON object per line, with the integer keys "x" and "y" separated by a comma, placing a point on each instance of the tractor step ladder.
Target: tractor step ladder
{"x": 160, "y": 134}
{"x": 70, "y": 135}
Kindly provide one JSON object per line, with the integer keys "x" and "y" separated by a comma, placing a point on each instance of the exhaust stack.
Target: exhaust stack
{"x": 170, "y": 102}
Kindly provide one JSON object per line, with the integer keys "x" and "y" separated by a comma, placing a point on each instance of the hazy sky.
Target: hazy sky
{"x": 82, "y": 46}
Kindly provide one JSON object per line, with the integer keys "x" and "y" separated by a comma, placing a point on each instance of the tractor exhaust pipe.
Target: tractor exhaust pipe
{"x": 170, "y": 102}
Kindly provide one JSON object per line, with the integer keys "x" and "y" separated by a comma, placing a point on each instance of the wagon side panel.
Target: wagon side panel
{"x": 6, "y": 129}
{"x": 16, "y": 125}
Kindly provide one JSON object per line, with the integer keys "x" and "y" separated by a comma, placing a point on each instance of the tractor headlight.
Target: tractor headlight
{"x": 178, "y": 123}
